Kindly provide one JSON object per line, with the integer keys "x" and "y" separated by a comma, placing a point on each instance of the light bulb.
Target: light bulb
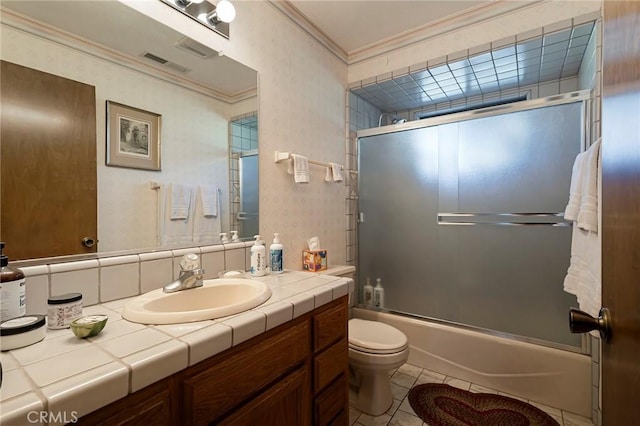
{"x": 225, "y": 11}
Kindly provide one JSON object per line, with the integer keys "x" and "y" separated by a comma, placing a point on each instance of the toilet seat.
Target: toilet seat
{"x": 375, "y": 337}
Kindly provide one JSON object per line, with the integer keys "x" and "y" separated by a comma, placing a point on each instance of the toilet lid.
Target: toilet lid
{"x": 375, "y": 337}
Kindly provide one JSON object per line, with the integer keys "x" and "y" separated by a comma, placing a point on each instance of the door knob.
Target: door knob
{"x": 582, "y": 322}
{"x": 88, "y": 242}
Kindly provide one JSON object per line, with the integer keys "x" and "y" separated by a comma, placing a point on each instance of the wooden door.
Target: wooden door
{"x": 48, "y": 164}
{"x": 621, "y": 211}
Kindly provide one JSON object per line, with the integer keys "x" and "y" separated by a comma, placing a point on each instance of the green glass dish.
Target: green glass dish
{"x": 89, "y": 325}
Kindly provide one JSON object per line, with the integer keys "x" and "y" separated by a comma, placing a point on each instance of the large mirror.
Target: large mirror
{"x": 204, "y": 105}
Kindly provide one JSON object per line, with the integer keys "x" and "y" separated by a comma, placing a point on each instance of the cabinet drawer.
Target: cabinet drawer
{"x": 331, "y": 406}
{"x": 286, "y": 403}
{"x": 330, "y": 364}
{"x": 214, "y": 391}
{"x": 329, "y": 326}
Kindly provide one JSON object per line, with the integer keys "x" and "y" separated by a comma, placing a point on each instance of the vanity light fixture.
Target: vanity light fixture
{"x": 213, "y": 16}
{"x": 223, "y": 12}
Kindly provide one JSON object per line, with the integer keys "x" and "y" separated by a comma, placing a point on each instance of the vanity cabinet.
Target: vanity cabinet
{"x": 295, "y": 374}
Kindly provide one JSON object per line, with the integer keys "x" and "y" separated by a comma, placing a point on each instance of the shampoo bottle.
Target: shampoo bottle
{"x": 368, "y": 293}
{"x": 275, "y": 250}
{"x": 378, "y": 294}
{"x": 258, "y": 258}
{"x": 12, "y": 290}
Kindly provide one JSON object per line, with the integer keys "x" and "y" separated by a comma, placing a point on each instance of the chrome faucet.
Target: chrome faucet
{"x": 190, "y": 275}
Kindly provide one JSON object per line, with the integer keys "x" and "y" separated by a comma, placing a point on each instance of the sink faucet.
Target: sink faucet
{"x": 190, "y": 275}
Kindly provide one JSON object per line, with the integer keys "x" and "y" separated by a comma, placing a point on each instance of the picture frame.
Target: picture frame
{"x": 133, "y": 137}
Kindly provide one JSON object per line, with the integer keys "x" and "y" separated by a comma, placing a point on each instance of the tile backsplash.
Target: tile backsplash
{"x": 111, "y": 278}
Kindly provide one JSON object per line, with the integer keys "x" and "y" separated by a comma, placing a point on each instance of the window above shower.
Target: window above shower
{"x": 536, "y": 64}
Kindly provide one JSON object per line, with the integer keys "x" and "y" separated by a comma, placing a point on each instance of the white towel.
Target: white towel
{"x": 584, "y": 274}
{"x": 206, "y": 228}
{"x": 180, "y": 200}
{"x": 209, "y": 199}
{"x": 336, "y": 171}
{"x": 588, "y": 214}
{"x": 299, "y": 168}
{"x": 172, "y": 232}
{"x": 584, "y": 278}
{"x": 575, "y": 189}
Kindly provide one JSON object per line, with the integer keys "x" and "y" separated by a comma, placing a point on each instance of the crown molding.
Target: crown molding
{"x": 451, "y": 23}
{"x": 475, "y": 15}
{"x": 298, "y": 18}
{"x": 38, "y": 29}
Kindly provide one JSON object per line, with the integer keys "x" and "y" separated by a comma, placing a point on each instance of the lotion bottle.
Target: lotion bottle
{"x": 378, "y": 294}
{"x": 12, "y": 290}
{"x": 258, "y": 258}
{"x": 368, "y": 293}
{"x": 276, "y": 250}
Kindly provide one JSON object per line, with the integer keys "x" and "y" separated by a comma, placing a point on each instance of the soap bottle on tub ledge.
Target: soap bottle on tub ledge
{"x": 368, "y": 293}
{"x": 378, "y": 294}
{"x": 258, "y": 258}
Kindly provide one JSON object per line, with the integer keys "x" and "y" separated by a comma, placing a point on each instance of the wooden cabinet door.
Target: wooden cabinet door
{"x": 286, "y": 403}
{"x": 47, "y": 164}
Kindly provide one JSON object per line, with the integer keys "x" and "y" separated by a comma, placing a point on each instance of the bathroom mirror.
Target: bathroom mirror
{"x": 138, "y": 62}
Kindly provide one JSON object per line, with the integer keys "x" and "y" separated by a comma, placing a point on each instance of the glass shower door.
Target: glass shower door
{"x": 459, "y": 220}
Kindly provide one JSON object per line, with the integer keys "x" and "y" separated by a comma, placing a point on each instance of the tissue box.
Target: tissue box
{"x": 314, "y": 260}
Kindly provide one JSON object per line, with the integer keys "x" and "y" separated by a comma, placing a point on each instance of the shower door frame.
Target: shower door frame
{"x": 561, "y": 99}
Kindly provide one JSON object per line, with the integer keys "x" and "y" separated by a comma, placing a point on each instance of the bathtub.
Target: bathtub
{"x": 553, "y": 377}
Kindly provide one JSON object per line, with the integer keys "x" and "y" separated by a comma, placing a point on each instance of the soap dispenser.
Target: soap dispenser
{"x": 12, "y": 290}
{"x": 378, "y": 294}
{"x": 368, "y": 293}
{"x": 223, "y": 238}
{"x": 275, "y": 251}
{"x": 234, "y": 237}
{"x": 258, "y": 258}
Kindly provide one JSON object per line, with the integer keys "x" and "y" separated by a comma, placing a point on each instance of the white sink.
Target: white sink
{"x": 216, "y": 298}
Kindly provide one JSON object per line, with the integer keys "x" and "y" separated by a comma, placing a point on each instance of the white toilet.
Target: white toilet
{"x": 375, "y": 349}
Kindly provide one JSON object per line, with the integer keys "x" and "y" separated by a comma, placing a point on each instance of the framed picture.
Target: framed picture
{"x": 133, "y": 137}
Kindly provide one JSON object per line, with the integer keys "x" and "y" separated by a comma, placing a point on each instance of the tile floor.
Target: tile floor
{"x": 401, "y": 414}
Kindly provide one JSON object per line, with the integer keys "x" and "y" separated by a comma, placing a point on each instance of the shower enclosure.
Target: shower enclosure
{"x": 461, "y": 216}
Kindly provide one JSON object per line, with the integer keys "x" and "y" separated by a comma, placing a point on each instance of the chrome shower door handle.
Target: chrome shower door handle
{"x": 582, "y": 322}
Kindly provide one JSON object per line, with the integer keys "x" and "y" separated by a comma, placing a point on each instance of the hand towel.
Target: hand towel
{"x": 328, "y": 176}
{"x": 209, "y": 199}
{"x": 588, "y": 213}
{"x": 206, "y": 228}
{"x": 336, "y": 171}
{"x": 299, "y": 168}
{"x": 575, "y": 189}
{"x": 173, "y": 232}
{"x": 180, "y": 200}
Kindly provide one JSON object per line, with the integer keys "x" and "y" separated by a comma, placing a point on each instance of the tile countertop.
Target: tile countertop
{"x": 62, "y": 377}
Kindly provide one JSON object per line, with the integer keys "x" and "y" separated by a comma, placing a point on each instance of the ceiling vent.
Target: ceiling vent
{"x": 195, "y": 48}
{"x": 165, "y": 63}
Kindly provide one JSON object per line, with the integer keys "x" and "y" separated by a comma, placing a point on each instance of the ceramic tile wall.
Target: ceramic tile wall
{"x": 127, "y": 207}
{"x": 113, "y": 278}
